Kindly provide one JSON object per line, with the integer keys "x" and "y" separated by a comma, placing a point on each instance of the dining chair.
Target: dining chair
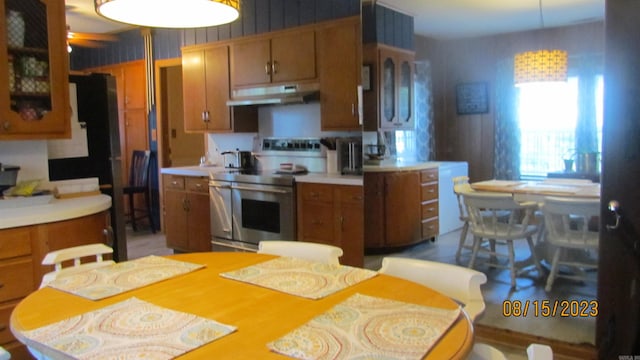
{"x": 485, "y": 211}
{"x": 460, "y": 186}
{"x": 4, "y": 354}
{"x": 59, "y": 258}
{"x": 459, "y": 283}
{"x": 324, "y": 253}
{"x": 139, "y": 184}
{"x": 539, "y": 352}
{"x": 570, "y": 224}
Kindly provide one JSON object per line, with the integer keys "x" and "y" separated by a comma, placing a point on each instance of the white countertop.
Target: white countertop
{"x": 323, "y": 178}
{"x": 56, "y": 210}
{"x": 393, "y": 165}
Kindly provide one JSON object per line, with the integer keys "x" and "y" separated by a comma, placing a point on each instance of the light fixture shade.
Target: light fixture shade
{"x": 170, "y": 13}
{"x": 541, "y": 65}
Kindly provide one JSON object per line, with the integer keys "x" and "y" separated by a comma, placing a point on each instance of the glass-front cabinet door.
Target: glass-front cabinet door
{"x": 34, "y": 92}
{"x": 405, "y": 92}
{"x": 396, "y": 89}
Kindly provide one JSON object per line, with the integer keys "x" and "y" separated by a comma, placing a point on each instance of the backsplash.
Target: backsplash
{"x": 31, "y": 156}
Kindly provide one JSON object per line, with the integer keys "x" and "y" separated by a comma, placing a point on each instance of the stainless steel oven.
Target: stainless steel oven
{"x": 249, "y": 208}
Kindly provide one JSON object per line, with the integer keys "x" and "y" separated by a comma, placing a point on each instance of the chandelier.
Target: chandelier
{"x": 541, "y": 65}
{"x": 170, "y": 13}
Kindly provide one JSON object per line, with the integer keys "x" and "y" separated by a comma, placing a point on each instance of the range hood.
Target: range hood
{"x": 276, "y": 94}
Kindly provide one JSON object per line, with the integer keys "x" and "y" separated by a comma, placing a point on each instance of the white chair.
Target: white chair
{"x": 460, "y": 186}
{"x": 569, "y": 225}
{"x": 76, "y": 253}
{"x": 459, "y": 283}
{"x": 303, "y": 250}
{"x": 482, "y": 351}
{"x": 539, "y": 352}
{"x": 486, "y": 211}
{"x": 4, "y": 354}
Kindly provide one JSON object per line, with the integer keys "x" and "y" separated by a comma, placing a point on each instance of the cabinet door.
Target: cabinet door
{"x": 351, "y": 224}
{"x": 217, "y": 88}
{"x": 34, "y": 69}
{"x": 388, "y": 84}
{"x": 251, "y": 62}
{"x": 339, "y": 73}
{"x": 135, "y": 85}
{"x": 402, "y": 208}
{"x": 405, "y": 117}
{"x": 198, "y": 222}
{"x": 194, "y": 90}
{"x": 293, "y": 57}
{"x": 374, "y": 210}
{"x": 175, "y": 219}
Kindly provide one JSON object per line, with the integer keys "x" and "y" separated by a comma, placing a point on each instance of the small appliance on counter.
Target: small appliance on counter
{"x": 8, "y": 176}
{"x": 240, "y": 159}
{"x": 349, "y": 151}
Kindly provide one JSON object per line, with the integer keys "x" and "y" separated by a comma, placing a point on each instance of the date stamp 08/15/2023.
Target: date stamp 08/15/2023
{"x": 550, "y": 308}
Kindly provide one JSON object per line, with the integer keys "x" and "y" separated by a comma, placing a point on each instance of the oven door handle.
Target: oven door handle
{"x": 273, "y": 191}
{"x": 232, "y": 246}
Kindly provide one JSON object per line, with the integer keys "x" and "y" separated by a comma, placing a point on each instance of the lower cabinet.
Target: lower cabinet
{"x": 21, "y": 252}
{"x": 401, "y": 207}
{"x": 332, "y": 214}
{"x": 186, "y": 213}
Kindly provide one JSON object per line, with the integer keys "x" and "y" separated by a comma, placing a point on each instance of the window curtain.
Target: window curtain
{"x": 587, "y": 68}
{"x": 425, "y": 144}
{"x": 506, "y": 159}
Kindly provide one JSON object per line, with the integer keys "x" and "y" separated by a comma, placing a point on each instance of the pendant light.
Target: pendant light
{"x": 541, "y": 65}
{"x": 170, "y": 13}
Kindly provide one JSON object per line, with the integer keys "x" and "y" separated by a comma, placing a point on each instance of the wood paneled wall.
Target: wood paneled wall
{"x": 471, "y": 137}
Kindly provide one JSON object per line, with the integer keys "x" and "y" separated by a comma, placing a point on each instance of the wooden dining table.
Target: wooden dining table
{"x": 261, "y": 315}
{"x": 537, "y": 190}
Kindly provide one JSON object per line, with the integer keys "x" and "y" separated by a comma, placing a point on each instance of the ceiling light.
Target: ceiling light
{"x": 541, "y": 65}
{"x": 170, "y": 13}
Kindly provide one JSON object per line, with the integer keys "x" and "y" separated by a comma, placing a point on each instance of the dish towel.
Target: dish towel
{"x": 131, "y": 329}
{"x": 366, "y": 327}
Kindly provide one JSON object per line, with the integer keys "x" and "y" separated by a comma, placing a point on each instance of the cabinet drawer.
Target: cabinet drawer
{"x": 197, "y": 184}
{"x": 429, "y": 209}
{"x": 15, "y": 242}
{"x": 174, "y": 182}
{"x": 429, "y": 192}
{"x": 317, "y": 192}
{"x": 351, "y": 194}
{"x": 429, "y": 175}
{"x": 16, "y": 279}
{"x": 430, "y": 228}
{"x": 5, "y": 315}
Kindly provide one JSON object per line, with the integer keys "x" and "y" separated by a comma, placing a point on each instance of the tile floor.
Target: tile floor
{"x": 557, "y": 331}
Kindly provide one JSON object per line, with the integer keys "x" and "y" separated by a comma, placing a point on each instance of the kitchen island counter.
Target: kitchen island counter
{"x": 192, "y": 170}
{"x": 326, "y": 178}
{"x": 56, "y": 210}
{"x": 396, "y": 165}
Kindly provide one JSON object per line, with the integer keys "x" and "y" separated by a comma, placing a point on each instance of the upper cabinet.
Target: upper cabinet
{"x": 34, "y": 68}
{"x": 280, "y": 58}
{"x": 339, "y": 61}
{"x": 389, "y": 104}
{"x": 205, "y": 85}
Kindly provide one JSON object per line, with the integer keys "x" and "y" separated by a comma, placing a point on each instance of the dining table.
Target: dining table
{"x": 259, "y": 314}
{"x": 537, "y": 190}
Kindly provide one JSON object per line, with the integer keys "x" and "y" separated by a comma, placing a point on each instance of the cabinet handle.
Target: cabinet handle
{"x": 274, "y": 67}
{"x": 203, "y": 115}
{"x": 108, "y": 234}
{"x": 341, "y": 223}
{"x": 6, "y": 125}
{"x": 1, "y": 285}
{"x": 267, "y": 68}
{"x": 174, "y": 183}
{"x": 185, "y": 204}
{"x": 353, "y": 109}
{"x": 316, "y": 222}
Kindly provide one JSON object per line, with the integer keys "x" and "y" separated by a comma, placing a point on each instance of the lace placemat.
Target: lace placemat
{"x": 300, "y": 277}
{"x": 131, "y": 329}
{"x": 114, "y": 279}
{"x": 366, "y": 327}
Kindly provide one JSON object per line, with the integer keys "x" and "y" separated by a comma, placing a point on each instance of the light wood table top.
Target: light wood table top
{"x": 535, "y": 190}
{"x": 261, "y": 315}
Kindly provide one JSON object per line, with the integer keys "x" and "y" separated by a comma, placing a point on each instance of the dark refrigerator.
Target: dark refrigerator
{"x": 97, "y": 116}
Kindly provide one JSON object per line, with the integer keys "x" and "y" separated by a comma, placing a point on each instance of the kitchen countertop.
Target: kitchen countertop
{"x": 394, "y": 165}
{"x": 56, "y": 210}
{"x": 323, "y": 178}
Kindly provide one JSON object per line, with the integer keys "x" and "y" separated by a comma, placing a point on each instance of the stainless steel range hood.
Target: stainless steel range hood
{"x": 276, "y": 94}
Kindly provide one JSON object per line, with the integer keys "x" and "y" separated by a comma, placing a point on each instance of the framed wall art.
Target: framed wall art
{"x": 472, "y": 98}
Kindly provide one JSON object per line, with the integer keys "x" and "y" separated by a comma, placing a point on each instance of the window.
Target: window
{"x": 548, "y": 115}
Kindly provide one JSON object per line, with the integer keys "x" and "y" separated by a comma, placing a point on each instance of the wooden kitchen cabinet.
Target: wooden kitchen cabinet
{"x": 205, "y": 86}
{"x": 186, "y": 213}
{"x": 34, "y": 68}
{"x": 332, "y": 214}
{"x": 339, "y": 64}
{"x": 21, "y": 252}
{"x": 429, "y": 203}
{"x": 274, "y": 59}
{"x": 390, "y": 105}
{"x": 394, "y": 215}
